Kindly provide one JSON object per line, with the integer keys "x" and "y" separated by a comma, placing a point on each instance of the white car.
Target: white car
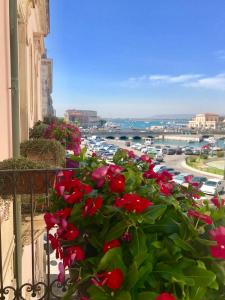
{"x": 212, "y": 186}
{"x": 180, "y": 178}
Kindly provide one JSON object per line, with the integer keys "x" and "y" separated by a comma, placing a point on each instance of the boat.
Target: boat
{"x": 210, "y": 140}
{"x": 149, "y": 141}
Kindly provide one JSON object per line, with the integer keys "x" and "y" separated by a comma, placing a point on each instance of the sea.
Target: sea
{"x": 128, "y": 124}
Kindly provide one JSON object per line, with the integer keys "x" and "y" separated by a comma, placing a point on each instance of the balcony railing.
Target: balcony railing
{"x": 28, "y": 269}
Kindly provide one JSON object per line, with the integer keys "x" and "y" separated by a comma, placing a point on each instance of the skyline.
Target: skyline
{"x": 138, "y": 59}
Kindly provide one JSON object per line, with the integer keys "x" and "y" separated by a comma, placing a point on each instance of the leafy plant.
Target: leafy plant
{"x": 131, "y": 233}
{"x": 43, "y": 148}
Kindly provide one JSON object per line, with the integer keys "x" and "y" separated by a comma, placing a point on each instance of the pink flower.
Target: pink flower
{"x": 218, "y": 235}
{"x": 61, "y": 276}
{"x": 50, "y": 220}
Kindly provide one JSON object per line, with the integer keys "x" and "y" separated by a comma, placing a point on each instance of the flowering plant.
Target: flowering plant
{"x": 68, "y": 135}
{"x": 133, "y": 234}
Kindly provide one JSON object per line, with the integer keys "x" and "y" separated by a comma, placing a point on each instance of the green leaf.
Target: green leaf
{"x": 132, "y": 277}
{"x": 197, "y": 293}
{"x": 202, "y": 278}
{"x": 153, "y": 213}
{"x": 138, "y": 246}
{"x": 112, "y": 259}
{"x": 180, "y": 243}
{"x": 147, "y": 296}
{"x": 124, "y": 295}
{"x": 97, "y": 293}
{"x": 116, "y": 231}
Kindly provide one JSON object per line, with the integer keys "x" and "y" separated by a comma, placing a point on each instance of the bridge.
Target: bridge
{"x": 142, "y": 134}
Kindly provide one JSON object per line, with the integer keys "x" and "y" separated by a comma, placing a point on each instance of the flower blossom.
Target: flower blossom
{"x": 117, "y": 184}
{"x": 92, "y": 206}
{"x": 112, "y": 279}
{"x": 206, "y": 219}
{"x": 218, "y": 235}
{"x": 73, "y": 254}
{"x": 110, "y": 245}
{"x": 218, "y": 202}
{"x": 133, "y": 203}
{"x": 165, "y": 296}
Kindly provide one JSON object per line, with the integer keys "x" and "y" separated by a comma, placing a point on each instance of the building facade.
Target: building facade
{"x": 205, "y": 121}
{"x": 33, "y": 27}
{"x": 46, "y": 83}
{"x": 5, "y": 83}
{"x": 84, "y": 118}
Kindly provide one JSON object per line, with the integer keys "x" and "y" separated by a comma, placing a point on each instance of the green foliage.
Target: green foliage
{"x": 22, "y": 163}
{"x": 44, "y": 149}
{"x": 165, "y": 249}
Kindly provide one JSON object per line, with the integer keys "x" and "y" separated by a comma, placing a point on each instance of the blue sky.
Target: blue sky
{"x": 138, "y": 58}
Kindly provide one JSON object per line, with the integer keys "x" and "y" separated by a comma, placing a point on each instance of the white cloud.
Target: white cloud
{"x": 213, "y": 83}
{"x": 216, "y": 82}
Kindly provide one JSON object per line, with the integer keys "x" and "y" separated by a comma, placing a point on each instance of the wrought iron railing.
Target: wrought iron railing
{"x": 32, "y": 272}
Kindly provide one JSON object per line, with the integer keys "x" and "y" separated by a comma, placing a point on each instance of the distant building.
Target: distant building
{"x": 84, "y": 118}
{"x": 46, "y": 82}
{"x": 205, "y": 121}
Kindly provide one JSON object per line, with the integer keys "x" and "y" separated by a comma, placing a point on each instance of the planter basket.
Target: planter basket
{"x": 26, "y": 181}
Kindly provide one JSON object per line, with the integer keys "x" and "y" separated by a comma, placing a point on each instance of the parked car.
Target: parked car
{"x": 179, "y": 151}
{"x": 159, "y": 168}
{"x": 212, "y": 186}
{"x": 171, "y": 151}
{"x": 196, "y": 152}
{"x": 198, "y": 181}
{"x": 172, "y": 171}
{"x": 188, "y": 152}
{"x": 159, "y": 158}
{"x": 180, "y": 178}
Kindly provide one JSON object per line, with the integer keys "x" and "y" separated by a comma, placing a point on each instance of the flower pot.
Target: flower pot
{"x": 26, "y": 182}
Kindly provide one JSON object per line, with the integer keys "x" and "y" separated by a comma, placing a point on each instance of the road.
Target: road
{"x": 175, "y": 161}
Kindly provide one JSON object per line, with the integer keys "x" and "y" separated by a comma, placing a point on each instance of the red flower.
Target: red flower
{"x": 164, "y": 176}
{"x": 73, "y": 254}
{"x": 112, "y": 279}
{"x": 64, "y": 213}
{"x": 218, "y": 235}
{"x": 110, "y": 245}
{"x": 131, "y": 154}
{"x": 133, "y": 203}
{"x": 166, "y": 188}
{"x": 127, "y": 237}
{"x": 165, "y": 296}
{"x": 117, "y": 184}
{"x": 50, "y": 220}
{"x": 218, "y": 202}
{"x": 76, "y": 196}
{"x": 145, "y": 158}
{"x": 70, "y": 234}
{"x": 92, "y": 205}
{"x": 206, "y": 219}
{"x": 188, "y": 179}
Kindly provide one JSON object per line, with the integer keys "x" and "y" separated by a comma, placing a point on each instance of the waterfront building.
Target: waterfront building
{"x": 46, "y": 82}
{"x": 84, "y": 118}
{"x": 205, "y": 121}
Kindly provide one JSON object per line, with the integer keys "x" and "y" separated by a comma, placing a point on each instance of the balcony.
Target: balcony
{"x": 28, "y": 269}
